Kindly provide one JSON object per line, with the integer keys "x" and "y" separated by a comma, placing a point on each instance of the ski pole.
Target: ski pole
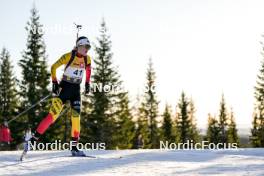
{"x": 78, "y": 27}
{"x": 41, "y": 100}
{"x": 64, "y": 111}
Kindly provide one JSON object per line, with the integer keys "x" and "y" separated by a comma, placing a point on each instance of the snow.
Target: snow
{"x": 136, "y": 162}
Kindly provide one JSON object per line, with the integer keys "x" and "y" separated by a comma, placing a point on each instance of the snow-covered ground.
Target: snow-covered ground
{"x": 136, "y": 162}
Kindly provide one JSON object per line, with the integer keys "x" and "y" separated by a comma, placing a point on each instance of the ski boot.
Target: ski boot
{"x": 75, "y": 151}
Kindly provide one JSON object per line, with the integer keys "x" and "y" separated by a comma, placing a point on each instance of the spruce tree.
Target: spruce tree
{"x": 254, "y": 138}
{"x": 232, "y": 136}
{"x": 142, "y": 138}
{"x": 106, "y": 112}
{"x": 149, "y": 111}
{"x": 194, "y": 132}
{"x": 167, "y": 126}
{"x": 213, "y": 130}
{"x": 35, "y": 77}
{"x": 257, "y": 131}
{"x": 8, "y": 91}
{"x": 183, "y": 122}
{"x": 125, "y": 127}
{"x": 9, "y": 96}
{"x": 223, "y": 118}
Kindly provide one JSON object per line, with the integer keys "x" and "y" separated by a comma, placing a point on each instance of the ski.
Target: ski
{"x": 98, "y": 157}
{"x": 84, "y": 156}
{"x": 24, "y": 153}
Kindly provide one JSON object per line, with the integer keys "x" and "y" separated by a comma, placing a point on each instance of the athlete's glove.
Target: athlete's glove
{"x": 87, "y": 88}
{"x": 55, "y": 87}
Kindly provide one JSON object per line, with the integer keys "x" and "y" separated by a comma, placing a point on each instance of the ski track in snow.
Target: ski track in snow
{"x": 241, "y": 162}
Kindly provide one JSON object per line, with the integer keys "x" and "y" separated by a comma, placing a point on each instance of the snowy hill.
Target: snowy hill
{"x": 136, "y": 162}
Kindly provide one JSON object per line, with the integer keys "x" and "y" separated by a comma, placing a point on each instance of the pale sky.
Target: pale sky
{"x": 204, "y": 47}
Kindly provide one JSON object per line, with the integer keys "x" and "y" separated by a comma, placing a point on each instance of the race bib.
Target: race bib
{"x": 74, "y": 72}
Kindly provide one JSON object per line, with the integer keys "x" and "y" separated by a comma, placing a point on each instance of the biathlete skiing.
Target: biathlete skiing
{"x": 77, "y": 63}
